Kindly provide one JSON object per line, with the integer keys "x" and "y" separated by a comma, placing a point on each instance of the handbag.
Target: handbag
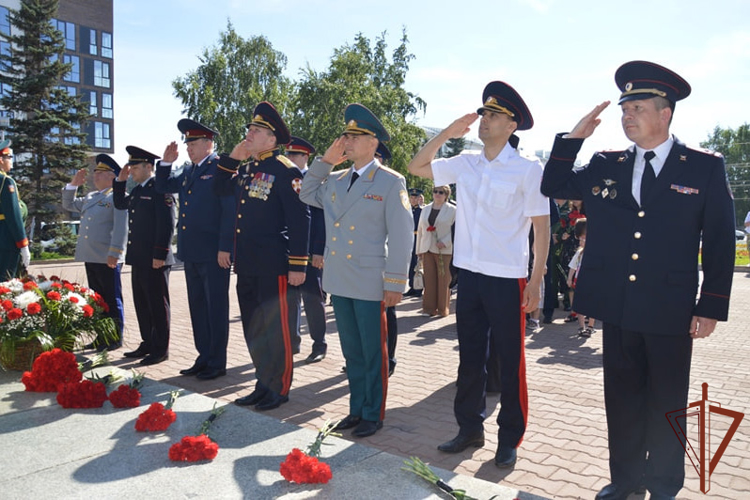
{"x": 418, "y": 281}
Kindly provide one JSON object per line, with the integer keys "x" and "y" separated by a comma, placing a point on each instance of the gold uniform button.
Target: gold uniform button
{"x": 351, "y": 242}
{"x": 243, "y": 202}
{"x": 333, "y": 239}
{"x": 349, "y": 256}
{"x": 336, "y": 224}
{"x": 351, "y": 228}
{"x": 632, "y": 277}
{"x": 239, "y": 216}
{"x": 637, "y": 235}
{"x": 641, "y": 214}
{"x": 189, "y": 192}
{"x": 86, "y": 237}
{"x": 129, "y": 242}
{"x": 183, "y": 228}
{"x": 634, "y": 256}
{"x": 333, "y": 252}
{"x": 238, "y": 230}
{"x": 183, "y": 215}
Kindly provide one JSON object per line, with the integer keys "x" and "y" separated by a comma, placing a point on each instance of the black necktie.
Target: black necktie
{"x": 355, "y": 176}
{"x": 649, "y": 177}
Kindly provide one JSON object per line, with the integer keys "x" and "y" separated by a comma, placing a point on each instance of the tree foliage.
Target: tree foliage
{"x": 47, "y": 123}
{"x": 734, "y": 144}
{"x": 360, "y": 72}
{"x": 455, "y": 146}
{"x": 232, "y": 78}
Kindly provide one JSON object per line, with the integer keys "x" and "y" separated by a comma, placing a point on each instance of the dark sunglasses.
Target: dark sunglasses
{"x": 438, "y": 191}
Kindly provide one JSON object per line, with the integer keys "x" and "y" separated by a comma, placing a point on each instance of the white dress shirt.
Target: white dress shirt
{"x": 657, "y": 163}
{"x": 495, "y": 202}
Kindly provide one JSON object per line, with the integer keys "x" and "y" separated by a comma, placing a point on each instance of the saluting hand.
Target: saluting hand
{"x": 241, "y": 151}
{"x": 588, "y": 123}
{"x": 171, "y": 153}
{"x": 460, "y": 127}
{"x": 80, "y": 178}
{"x": 335, "y": 152}
{"x": 124, "y": 173}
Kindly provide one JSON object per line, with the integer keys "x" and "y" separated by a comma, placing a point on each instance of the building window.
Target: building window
{"x": 68, "y": 31}
{"x": 106, "y": 44}
{"x": 74, "y": 75}
{"x": 93, "y": 47}
{"x": 93, "y": 108}
{"x": 101, "y": 74}
{"x": 101, "y": 135}
{"x": 4, "y": 21}
{"x": 73, "y": 140}
{"x": 4, "y": 56}
{"x": 107, "y": 106}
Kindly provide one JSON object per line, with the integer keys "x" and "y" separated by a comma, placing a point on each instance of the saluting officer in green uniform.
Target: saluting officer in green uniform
{"x": 13, "y": 241}
{"x": 368, "y": 244}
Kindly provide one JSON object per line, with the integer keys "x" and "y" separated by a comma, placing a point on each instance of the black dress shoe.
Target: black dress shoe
{"x": 315, "y": 357}
{"x": 505, "y": 457}
{"x": 251, "y": 399}
{"x": 461, "y": 442}
{"x": 367, "y": 428}
{"x": 347, "y": 423}
{"x": 153, "y": 359}
{"x": 138, "y": 353}
{"x": 271, "y": 401}
{"x": 211, "y": 373}
{"x": 193, "y": 370}
{"x": 614, "y": 491}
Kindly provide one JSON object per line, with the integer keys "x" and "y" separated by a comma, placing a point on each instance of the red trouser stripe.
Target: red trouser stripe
{"x": 384, "y": 357}
{"x": 523, "y": 393}
{"x": 286, "y": 378}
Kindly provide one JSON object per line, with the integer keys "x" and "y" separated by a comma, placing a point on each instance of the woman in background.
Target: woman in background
{"x": 435, "y": 247}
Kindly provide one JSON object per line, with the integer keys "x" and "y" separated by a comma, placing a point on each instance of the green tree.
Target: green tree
{"x": 455, "y": 146}
{"x": 232, "y": 78}
{"x": 734, "y": 144}
{"x": 363, "y": 73}
{"x": 47, "y": 122}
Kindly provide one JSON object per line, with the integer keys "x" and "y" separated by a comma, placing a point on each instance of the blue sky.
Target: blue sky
{"x": 560, "y": 55}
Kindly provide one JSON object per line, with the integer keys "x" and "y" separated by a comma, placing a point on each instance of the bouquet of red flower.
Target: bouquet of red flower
{"x": 304, "y": 467}
{"x": 200, "y": 447}
{"x": 54, "y": 313}
{"x": 85, "y": 394}
{"x": 157, "y": 417}
{"x": 51, "y": 370}
{"x": 127, "y": 395}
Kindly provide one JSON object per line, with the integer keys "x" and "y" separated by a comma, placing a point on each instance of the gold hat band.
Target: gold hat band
{"x": 658, "y": 92}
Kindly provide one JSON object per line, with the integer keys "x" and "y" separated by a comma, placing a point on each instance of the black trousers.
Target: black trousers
{"x": 106, "y": 281}
{"x": 208, "y": 299}
{"x": 645, "y": 376}
{"x": 151, "y": 300}
{"x": 310, "y": 294}
{"x": 487, "y": 308}
{"x": 269, "y": 315}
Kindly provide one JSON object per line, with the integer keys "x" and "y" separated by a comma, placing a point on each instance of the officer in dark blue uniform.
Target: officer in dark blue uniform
{"x": 149, "y": 253}
{"x": 415, "y": 197}
{"x": 205, "y": 235}
{"x": 271, "y": 249}
{"x": 311, "y": 291}
{"x": 651, "y": 210}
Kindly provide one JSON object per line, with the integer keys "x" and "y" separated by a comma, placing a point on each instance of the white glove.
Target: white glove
{"x": 25, "y": 256}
